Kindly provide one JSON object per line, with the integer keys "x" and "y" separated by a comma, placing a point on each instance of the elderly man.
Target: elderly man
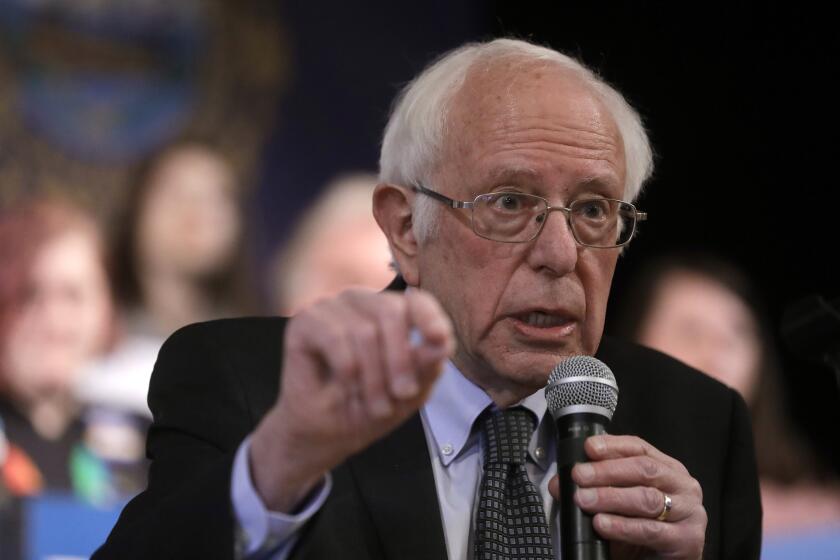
{"x": 368, "y": 420}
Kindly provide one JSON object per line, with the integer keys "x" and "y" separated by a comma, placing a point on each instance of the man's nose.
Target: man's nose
{"x": 555, "y": 249}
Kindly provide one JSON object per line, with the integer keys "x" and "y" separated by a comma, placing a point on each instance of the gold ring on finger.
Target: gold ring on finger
{"x": 666, "y": 508}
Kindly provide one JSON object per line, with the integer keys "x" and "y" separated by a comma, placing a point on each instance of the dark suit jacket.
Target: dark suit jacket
{"x": 214, "y": 381}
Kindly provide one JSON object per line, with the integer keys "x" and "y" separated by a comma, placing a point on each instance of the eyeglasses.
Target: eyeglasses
{"x": 513, "y": 217}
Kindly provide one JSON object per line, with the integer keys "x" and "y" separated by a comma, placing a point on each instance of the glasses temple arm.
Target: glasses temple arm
{"x": 442, "y": 198}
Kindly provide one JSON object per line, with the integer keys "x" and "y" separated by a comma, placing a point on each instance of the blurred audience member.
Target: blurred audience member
{"x": 56, "y": 316}
{"x": 336, "y": 245}
{"x": 179, "y": 256}
{"x": 178, "y": 259}
{"x": 704, "y": 312}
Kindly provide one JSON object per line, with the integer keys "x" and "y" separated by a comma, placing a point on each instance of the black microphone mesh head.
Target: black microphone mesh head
{"x": 581, "y": 384}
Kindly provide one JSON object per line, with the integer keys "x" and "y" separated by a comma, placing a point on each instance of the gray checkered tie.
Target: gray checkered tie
{"x": 511, "y": 521}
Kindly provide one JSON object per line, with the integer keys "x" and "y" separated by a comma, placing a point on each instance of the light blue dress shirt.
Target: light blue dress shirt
{"x": 457, "y": 460}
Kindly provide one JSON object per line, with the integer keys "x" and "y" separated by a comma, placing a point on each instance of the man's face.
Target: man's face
{"x": 519, "y": 308}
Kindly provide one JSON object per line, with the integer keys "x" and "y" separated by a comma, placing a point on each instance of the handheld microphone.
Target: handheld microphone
{"x": 582, "y": 396}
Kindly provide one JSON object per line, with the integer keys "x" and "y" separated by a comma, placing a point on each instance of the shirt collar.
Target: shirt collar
{"x": 456, "y": 402}
{"x": 451, "y": 411}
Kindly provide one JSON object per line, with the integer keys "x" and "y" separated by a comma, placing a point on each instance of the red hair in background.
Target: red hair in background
{"x": 25, "y": 228}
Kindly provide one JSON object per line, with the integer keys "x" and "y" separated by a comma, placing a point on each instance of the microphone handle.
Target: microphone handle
{"x": 578, "y": 538}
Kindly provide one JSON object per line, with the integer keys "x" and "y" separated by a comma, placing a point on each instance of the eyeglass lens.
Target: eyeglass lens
{"x": 515, "y": 217}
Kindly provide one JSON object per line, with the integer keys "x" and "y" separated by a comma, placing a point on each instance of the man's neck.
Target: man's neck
{"x": 503, "y": 392}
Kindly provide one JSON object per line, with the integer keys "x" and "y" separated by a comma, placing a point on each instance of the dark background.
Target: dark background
{"x": 740, "y": 101}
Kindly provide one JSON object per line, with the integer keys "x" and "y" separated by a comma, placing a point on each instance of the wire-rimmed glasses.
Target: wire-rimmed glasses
{"x": 515, "y": 217}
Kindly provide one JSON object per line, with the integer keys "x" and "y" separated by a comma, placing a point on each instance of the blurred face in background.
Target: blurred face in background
{"x": 63, "y": 320}
{"x": 189, "y": 223}
{"x": 336, "y": 245}
{"x": 342, "y": 256}
{"x": 702, "y": 323}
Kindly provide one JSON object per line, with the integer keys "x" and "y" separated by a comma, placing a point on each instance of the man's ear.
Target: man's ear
{"x": 393, "y": 211}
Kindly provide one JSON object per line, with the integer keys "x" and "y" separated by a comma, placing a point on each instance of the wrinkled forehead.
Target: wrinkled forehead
{"x": 512, "y": 92}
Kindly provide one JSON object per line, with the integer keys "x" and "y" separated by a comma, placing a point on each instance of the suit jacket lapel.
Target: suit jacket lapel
{"x": 396, "y": 481}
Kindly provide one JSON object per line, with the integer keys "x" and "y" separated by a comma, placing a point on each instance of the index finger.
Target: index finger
{"x": 606, "y": 446}
{"x": 430, "y": 320}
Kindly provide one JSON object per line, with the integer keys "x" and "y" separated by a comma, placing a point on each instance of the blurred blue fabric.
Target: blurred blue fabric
{"x": 821, "y": 543}
{"x": 59, "y": 524}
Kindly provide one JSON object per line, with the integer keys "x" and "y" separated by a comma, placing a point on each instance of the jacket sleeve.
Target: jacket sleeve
{"x": 740, "y": 500}
{"x": 200, "y": 417}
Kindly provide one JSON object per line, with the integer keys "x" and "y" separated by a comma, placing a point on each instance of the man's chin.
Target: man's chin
{"x": 522, "y": 366}
{"x": 530, "y": 369}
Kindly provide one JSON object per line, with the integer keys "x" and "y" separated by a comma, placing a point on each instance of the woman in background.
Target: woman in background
{"x": 178, "y": 258}
{"x": 55, "y": 316}
{"x": 704, "y": 312}
{"x": 179, "y": 254}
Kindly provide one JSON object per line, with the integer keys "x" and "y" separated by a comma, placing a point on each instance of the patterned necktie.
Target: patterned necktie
{"x": 511, "y": 520}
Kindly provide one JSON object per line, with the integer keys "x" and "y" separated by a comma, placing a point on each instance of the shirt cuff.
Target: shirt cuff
{"x": 263, "y": 530}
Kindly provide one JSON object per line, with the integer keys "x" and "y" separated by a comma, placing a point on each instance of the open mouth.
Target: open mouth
{"x": 543, "y": 320}
{"x": 544, "y": 326}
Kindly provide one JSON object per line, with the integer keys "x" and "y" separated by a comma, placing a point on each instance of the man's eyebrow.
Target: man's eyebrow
{"x": 597, "y": 182}
{"x": 507, "y": 174}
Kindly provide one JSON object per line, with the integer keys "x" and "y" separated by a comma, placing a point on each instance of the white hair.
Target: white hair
{"x": 412, "y": 145}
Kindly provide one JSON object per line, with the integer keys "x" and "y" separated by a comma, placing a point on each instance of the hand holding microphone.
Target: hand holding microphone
{"x": 636, "y": 498}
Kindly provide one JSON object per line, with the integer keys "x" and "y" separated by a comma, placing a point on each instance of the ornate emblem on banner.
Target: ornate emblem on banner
{"x": 88, "y": 88}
